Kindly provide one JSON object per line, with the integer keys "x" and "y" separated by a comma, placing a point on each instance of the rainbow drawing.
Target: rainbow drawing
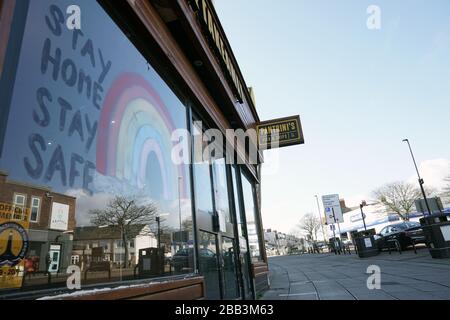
{"x": 134, "y": 126}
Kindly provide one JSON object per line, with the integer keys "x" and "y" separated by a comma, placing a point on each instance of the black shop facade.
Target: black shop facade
{"x": 89, "y": 114}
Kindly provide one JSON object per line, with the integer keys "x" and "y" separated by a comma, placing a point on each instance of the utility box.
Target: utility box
{"x": 151, "y": 262}
{"x": 436, "y": 228}
{"x": 366, "y": 244}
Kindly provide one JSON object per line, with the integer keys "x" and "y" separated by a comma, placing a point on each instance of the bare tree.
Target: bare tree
{"x": 445, "y": 193}
{"x": 310, "y": 224}
{"x": 123, "y": 212}
{"x": 398, "y": 198}
{"x": 446, "y": 189}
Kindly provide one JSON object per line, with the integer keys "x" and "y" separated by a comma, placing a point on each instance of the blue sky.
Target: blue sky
{"x": 359, "y": 92}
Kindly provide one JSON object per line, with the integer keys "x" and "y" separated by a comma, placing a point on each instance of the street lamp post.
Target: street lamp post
{"x": 179, "y": 200}
{"x": 320, "y": 218}
{"x": 362, "y": 214}
{"x": 421, "y": 182}
{"x": 158, "y": 221}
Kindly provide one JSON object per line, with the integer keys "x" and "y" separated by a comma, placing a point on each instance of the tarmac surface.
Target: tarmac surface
{"x": 326, "y": 276}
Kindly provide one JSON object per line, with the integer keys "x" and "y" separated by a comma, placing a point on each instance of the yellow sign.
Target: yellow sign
{"x": 14, "y": 243}
{"x": 280, "y": 133}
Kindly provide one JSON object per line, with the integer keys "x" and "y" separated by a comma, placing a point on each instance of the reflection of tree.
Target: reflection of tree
{"x": 124, "y": 212}
{"x": 187, "y": 224}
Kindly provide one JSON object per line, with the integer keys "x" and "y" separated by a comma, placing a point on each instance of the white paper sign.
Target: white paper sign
{"x": 446, "y": 232}
{"x": 368, "y": 242}
{"x": 60, "y": 217}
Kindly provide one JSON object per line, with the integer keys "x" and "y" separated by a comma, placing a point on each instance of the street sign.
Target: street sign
{"x": 333, "y": 211}
{"x": 434, "y": 203}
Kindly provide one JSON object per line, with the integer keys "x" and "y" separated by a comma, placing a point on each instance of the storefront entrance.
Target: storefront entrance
{"x": 217, "y": 241}
{"x": 217, "y": 263}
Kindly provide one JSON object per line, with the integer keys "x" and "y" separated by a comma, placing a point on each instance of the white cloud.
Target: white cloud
{"x": 433, "y": 172}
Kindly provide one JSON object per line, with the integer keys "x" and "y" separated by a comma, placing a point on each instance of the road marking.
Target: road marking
{"x": 298, "y": 294}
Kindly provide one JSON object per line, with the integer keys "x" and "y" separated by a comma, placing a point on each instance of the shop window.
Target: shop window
{"x": 202, "y": 178}
{"x": 91, "y": 119}
{"x": 35, "y": 209}
{"x": 19, "y": 202}
{"x": 251, "y": 218}
{"x": 221, "y": 193}
{"x": 74, "y": 260}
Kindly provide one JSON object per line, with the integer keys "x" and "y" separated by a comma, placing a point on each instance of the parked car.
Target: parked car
{"x": 183, "y": 259}
{"x": 405, "y": 233}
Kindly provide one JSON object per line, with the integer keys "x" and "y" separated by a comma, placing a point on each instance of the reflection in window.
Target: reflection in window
{"x": 209, "y": 265}
{"x": 202, "y": 179}
{"x": 221, "y": 193}
{"x": 89, "y": 138}
{"x": 229, "y": 269}
{"x": 242, "y": 240}
{"x": 35, "y": 208}
{"x": 250, "y": 212}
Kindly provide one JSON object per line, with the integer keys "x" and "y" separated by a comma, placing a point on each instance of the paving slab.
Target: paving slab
{"x": 344, "y": 277}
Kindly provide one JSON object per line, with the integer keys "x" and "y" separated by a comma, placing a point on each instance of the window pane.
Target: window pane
{"x": 34, "y": 214}
{"x": 221, "y": 193}
{"x": 35, "y": 202}
{"x": 244, "y": 254}
{"x": 89, "y": 127}
{"x": 208, "y": 264}
{"x": 239, "y": 213}
{"x": 202, "y": 179}
{"x": 250, "y": 212}
{"x": 19, "y": 200}
{"x": 229, "y": 269}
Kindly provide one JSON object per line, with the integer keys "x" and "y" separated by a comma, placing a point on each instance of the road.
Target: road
{"x": 405, "y": 276}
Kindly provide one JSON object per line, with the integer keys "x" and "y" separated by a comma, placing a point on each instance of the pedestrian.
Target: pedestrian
{"x": 315, "y": 248}
{"x": 48, "y": 261}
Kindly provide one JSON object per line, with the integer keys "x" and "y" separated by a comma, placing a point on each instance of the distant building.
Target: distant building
{"x": 109, "y": 241}
{"x": 278, "y": 243}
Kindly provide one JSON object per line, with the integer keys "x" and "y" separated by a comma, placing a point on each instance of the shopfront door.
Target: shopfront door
{"x": 55, "y": 257}
{"x": 216, "y": 237}
{"x": 244, "y": 263}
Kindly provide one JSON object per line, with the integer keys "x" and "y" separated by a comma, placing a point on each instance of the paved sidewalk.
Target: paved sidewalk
{"x": 405, "y": 276}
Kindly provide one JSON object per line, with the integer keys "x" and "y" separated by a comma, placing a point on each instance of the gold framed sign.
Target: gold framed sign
{"x": 14, "y": 244}
{"x": 280, "y": 133}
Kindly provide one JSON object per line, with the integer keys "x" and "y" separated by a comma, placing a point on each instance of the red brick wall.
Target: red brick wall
{"x": 9, "y": 188}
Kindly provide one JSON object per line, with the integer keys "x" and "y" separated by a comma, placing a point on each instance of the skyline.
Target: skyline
{"x": 358, "y": 92}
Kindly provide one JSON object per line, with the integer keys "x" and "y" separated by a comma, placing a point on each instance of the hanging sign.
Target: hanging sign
{"x": 280, "y": 133}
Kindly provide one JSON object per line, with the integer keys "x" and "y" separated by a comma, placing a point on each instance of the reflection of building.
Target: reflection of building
{"x": 52, "y": 220}
{"x": 110, "y": 240}
{"x": 278, "y": 243}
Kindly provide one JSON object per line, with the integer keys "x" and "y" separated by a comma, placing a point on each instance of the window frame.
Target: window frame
{"x": 18, "y": 194}
{"x": 243, "y": 172}
{"x": 38, "y": 215}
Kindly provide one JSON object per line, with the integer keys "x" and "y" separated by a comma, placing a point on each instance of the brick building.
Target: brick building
{"x": 51, "y": 221}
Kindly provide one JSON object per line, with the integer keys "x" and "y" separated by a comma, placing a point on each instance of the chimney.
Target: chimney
{"x": 3, "y": 176}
